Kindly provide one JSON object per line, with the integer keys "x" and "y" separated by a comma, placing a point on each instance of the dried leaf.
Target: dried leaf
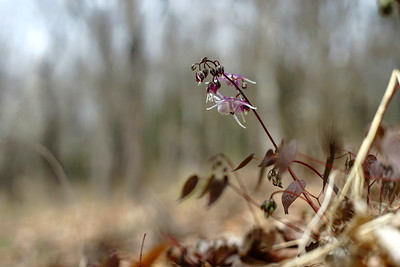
{"x": 296, "y": 190}
{"x": 219, "y": 255}
{"x": 189, "y": 186}
{"x": 207, "y": 186}
{"x": 244, "y": 162}
{"x": 112, "y": 261}
{"x": 217, "y": 187}
{"x": 257, "y": 245}
{"x": 344, "y": 213}
{"x": 151, "y": 256}
{"x": 312, "y": 246}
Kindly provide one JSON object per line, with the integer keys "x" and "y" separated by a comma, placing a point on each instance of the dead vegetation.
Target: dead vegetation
{"x": 352, "y": 225}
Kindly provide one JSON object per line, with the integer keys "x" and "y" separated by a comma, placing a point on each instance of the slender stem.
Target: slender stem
{"x": 243, "y": 188}
{"x": 141, "y": 250}
{"x": 315, "y": 208}
{"x": 244, "y": 195}
{"x": 308, "y": 166}
{"x": 319, "y": 161}
{"x": 254, "y": 111}
{"x": 276, "y": 217}
{"x": 335, "y": 189}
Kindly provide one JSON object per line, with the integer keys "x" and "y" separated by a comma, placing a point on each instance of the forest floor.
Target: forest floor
{"x": 41, "y": 230}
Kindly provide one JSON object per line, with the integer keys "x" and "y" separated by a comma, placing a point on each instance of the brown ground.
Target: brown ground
{"x": 39, "y": 231}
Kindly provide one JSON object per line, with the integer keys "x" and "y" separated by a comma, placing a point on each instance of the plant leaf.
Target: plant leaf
{"x": 217, "y": 187}
{"x": 287, "y": 153}
{"x": 269, "y": 159}
{"x": 244, "y": 162}
{"x": 291, "y": 193}
{"x": 329, "y": 163}
{"x": 189, "y": 186}
{"x": 207, "y": 186}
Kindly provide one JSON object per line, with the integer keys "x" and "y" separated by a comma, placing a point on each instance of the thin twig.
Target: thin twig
{"x": 243, "y": 188}
{"x": 141, "y": 250}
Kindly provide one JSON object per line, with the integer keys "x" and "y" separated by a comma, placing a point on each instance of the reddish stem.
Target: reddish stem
{"x": 254, "y": 111}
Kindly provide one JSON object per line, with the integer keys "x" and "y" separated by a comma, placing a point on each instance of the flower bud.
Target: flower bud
{"x": 272, "y": 174}
{"x": 218, "y": 84}
{"x": 244, "y": 85}
{"x": 269, "y": 206}
{"x": 212, "y": 88}
{"x": 199, "y": 77}
{"x": 220, "y": 69}
{"x": 204, "y": 59}
{"x": 193, "y": 67}
{"x": 213, "y": 72}
{"x": 205, "y": 71}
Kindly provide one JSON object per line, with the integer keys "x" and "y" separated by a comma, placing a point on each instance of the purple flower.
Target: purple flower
{"x": 200, "y": 76}
{"x": 231, "y": 106}
{"x": 212, "y": 88}
{"x": 235, "y": 78}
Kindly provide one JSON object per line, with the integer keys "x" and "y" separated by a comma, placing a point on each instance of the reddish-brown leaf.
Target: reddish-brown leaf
{"x": 291, "y": 193}
{"x": 244, "y": 162}
{"x": 217, "y": 187}
{"x": 270, "y": 158}
{"x": 189, "y": 186}
{"x": 287, "y": 153}
{"x": 207, "y": 186}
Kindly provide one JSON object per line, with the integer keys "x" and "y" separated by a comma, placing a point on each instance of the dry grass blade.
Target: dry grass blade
{"x": 356, "y": 176}
{"x": 356, "y": 180}
{"x": 317, "y": 218}
{"x": 356, "y": 173}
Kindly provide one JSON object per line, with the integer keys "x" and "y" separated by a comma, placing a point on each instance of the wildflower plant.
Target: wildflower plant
{"x": 373, "y": 173}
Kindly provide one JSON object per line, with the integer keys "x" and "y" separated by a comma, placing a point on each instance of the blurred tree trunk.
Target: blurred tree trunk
{"x": 133, "y": 116}
{"x": 50, "y": 137}
{"x": 101, "y": 151}
{"x": 117, "y": 143}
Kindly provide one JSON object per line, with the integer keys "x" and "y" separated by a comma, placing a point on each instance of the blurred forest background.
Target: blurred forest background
{"x": 106, "y": 86}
